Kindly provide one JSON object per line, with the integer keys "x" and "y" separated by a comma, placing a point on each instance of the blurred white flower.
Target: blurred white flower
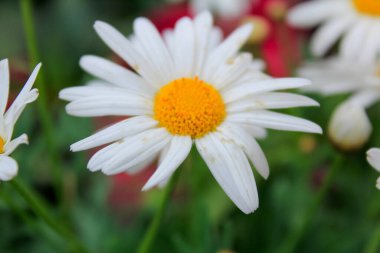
{"x": 8, "y": 166}
{"x": 349, "y": 127}
{"x": 357, "y": 21}
{"x": 190, "y": 87}
{"x": 223, "y": 8}
{"x": 373, "y": 157}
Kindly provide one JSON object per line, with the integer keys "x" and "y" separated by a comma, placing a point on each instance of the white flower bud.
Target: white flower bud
{"x": 373, "y": 157}
{"x": 349, "y": 127}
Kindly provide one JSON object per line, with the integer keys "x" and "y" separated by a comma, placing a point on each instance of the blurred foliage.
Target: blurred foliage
{"x": 201, "y": 218}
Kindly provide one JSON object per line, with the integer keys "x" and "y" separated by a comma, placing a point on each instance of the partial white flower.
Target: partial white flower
{"x": 223, "y": 8}
{"x": 190, "y": 87}
{"x": 349, "y": 127}
{"x": 373, "y": 157}
{"x": 356, "y": 21}
{"x": 8, "y": 166}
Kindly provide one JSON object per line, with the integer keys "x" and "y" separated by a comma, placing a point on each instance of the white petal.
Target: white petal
{"x": 4, "y": 85}
{"x": 231, "y": 71}
{"x": 271, "y": 100}
{"x": 184, "y": 48}
{"x": 250, "y": 146}
{"x": 105, "y": 105}
{"x": 229, "y": 48}
{"x": 12, "y": 145}
{"x": 256, "y": 132}
{"x": 312, "y": 13}
{"x": 25, "y": 96}
{"x": 154, "y": 48}
{"x": 365, "y": 98}
{"x": 231, "y": 170}
{"x": 371, "y": 46}
{"x": 115, "y": 132}
{"x": 168, "y": 36}
{"x": 123, "y": 47}
{"x": 329, "y": 33}
{"x": 8, "y": 168}
{"x": 141, "y": 166}
{"x": 136, "y": 149}
{"x": 97, "y": 161}
{"x": 114, "y": 74}
{"x": 179, "y": 149}
{"x": 352, "y": 43}
{"x": 250, "y": 88}
{"x": 89, "y": 90}
{"x": 216, "y": 37}
{"x": 373, "y": 157}
{"x": 274, "y": 120}
{"x": 203, "y": 34}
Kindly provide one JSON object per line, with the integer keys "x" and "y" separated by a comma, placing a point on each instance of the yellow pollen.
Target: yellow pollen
{"x": 2, "y": 142}
{"x": 189, "y": 107}
{"x": 367, "y": 7}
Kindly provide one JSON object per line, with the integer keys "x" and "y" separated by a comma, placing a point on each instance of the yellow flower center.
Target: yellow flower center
{"x": 2, "y": 143}
{"x": 189, "y": 107}
{"x": 368, "y": 7}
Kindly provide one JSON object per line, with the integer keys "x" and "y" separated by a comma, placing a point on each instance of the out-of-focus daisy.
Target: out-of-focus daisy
{"x": 349, "y": 127}
{"x": 223, "y": 8}
{"x": 373, "y": 157}
{"x": 357, "y": 21}
{"x": 8, "y": 166}
{"x": 190, "y": 87}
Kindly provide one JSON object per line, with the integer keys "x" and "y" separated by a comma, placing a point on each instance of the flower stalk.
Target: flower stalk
{"x": 42, "y": 104}
{"x": 373, "y": 245}
{"x": 40, "y": 209}
{"x": 150, "y": 235}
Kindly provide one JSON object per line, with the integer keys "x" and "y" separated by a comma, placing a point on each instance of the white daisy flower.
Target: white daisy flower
{"x": 373, "y": 157}
{"x": 190, "y": 87}
{"x": 349, "y": 127}
{"x": 8, "y": 166}
{"x": 357, "y": 21}
{"x": 223, "y": 8}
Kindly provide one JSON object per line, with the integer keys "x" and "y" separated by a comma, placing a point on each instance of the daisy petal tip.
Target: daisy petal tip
{"x": 266, "y": 175}
{"x": 146, "y": 187}
{"x": 248, "y": 28}
{"x": 4, "y": 62}
{"x": 371, "y": 152}
{"x": 317, "y": 129}
{"x": 304, "y": 81}
{"x": 206, "y": 14}
{"x": 251, "y": 209}
{"x": 100, "y": 26}
{"x": 73, "y": 148}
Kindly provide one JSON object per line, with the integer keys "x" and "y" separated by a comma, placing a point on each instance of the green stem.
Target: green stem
{"x": 290, "y": 243}
{"x": 373, "y": 245}
{"x": 150, "y": 235}
{"x": 41, "y": 211}
{"x": 25, "y": 217}
{"x": 42, "y": 102}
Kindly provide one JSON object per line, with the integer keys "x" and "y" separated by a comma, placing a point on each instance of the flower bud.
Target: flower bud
{"x": 349, "y": 127}
{"x": 276, "y": 9}
{"x": 373, "y": 157}
{"x": 261, "y": 28}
